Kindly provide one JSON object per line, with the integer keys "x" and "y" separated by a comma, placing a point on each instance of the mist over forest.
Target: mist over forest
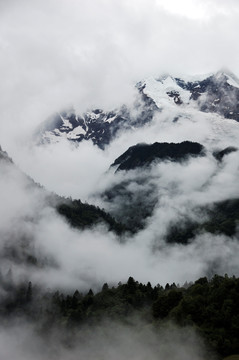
{"x": 119, "y": 197}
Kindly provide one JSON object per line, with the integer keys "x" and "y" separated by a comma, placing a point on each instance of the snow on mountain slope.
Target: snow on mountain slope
{"x": 213, "y": 93}
{"x": 165, "y": 92}
{"x": 96, "y": 125}
{"x": 171, "y": 192}
{"x": 194, "y": 119}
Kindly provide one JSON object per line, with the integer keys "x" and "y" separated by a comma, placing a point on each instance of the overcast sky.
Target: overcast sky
{"x": 56, "y": 53}
{"x": 89, "y": 53}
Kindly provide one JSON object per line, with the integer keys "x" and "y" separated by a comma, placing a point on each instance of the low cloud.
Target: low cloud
{"x": 69, "y": 258}
{"x": 89, "y": 55}
{"x": 61, "y": 53}
{"x": 107, "y": 340}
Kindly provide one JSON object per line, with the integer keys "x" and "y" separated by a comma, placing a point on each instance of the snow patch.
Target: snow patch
{"x": 93, "y": 115}
{"x": 157, "y": 91}
{"x": 194, "y": 78}
{"x": 110, "y": 120}
{"x": 232, "y": 82}
{"x": 76, "y": 132}
{"x": 66, "y": 123}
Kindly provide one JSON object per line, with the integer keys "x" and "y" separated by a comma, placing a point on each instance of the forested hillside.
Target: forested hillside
{"x": 210, "y": 306}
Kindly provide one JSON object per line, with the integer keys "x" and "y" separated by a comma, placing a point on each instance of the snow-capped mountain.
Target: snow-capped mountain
{"x": 97, "y": 125}
{"x": 214, "y": 93}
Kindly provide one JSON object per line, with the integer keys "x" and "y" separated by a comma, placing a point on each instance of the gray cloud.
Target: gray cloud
{"x": 62, "y": 52}
{"x": 90, "y": 54}
{"x": 107, "y": 340}
{"x": 82, "y": 259}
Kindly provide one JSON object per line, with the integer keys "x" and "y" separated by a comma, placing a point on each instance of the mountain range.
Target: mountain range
{"x": 214, "y": 93}
{"x": 166, "y": 205}
{"x": 134, "y": 198}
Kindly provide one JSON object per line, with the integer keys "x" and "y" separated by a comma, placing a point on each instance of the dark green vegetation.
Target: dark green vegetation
{"x": 133, "y": 208}
{"x": 82, "y": 215}
{"x": 217, "y": 218}
{"x": 142, "y": 155}
{"x": 136, "y": 198}
{"x": 79, "y": 215}
{"x": 223, "y": 218}
{"x": 233, "y": 357}
{"x": 209, "y": 306}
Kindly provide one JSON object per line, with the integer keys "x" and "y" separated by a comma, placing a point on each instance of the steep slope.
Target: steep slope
{"x": 165, "y": 187}
{"x": 214, "y": 93}
{"x": 26, "y": 203}
{"x": 155, "y": 307}
{"x": 132, "y": 200}
{"x": 222, "y": 218}
{"x": 97, "y": 125}
{"x": 207, "y": 104}
{"x": 4, "y": 156}
{"x": 83, "y": 215}
{"x": 80, "y": 215}
{"x": 142, "y": 155}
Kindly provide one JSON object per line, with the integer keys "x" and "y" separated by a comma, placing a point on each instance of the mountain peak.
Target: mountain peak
{"x": 143, "y": 155}
{"x": 210, "y": 93}
{"x": 230, "y": 77}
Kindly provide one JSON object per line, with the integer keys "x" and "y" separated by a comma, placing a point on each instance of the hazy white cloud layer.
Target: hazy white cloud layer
{"x": 82, "y": 171}
{"x": 81, "y": 259}
{"x": 58, "y": 52}
{"x": 197, "y": 9}
{"x": 108, "y": 340}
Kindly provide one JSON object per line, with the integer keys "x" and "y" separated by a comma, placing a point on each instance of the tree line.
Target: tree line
{"x": 210, "y": 306}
